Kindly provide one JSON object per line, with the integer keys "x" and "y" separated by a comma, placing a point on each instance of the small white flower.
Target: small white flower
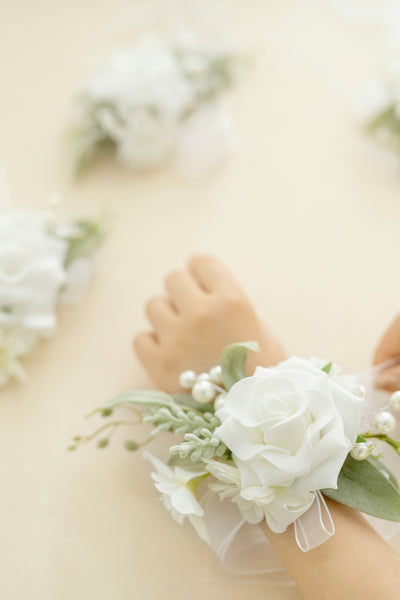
{"x": 176, "y": 486}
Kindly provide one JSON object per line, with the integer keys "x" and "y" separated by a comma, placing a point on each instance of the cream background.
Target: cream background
{"x": 304, "y": 213}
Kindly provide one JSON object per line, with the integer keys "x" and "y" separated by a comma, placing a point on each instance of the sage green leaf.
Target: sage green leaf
{"x": 188, "y": 400}
{"x": 368, "y": 486}
{"x": 87, "y": 237}
{"x": 140, "y": 397}
{"x": 177, "y": 461}
{"x": 233, "y": 361}
{"x": 327, "y": 368}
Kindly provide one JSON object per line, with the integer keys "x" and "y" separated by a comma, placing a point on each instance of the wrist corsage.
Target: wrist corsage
{"x": 155, "y": 102}
{"x": 42, "y": 263}
{"x": 268, "y": 448}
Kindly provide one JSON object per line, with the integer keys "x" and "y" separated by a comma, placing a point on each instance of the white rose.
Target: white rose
{"x": 31, "y": 272}
{"x": 290, "y": 429}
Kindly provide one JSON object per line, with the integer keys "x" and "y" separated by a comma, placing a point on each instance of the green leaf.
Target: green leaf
{"x": 368, "y": 486}
{"x": 141, "y": 397}
{"x": 87, "y": 237}
{"x": 233, "y": 361}
{"x": 188, "y": 400}
{"x": 327, "y": 368}
{"x": 386, "y": 119}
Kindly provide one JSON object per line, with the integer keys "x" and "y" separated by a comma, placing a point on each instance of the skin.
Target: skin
{"x": 388, "y": 348}
{"x": 204, "y": 310}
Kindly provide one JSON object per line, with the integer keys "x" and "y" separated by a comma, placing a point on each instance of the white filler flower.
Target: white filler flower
{"x": 290, "y": 429}
{"x": 177, "y": 486}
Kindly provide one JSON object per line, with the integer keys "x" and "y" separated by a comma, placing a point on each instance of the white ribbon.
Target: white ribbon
{"x": 243, "y": 549}
{"x": 315, "y": 526}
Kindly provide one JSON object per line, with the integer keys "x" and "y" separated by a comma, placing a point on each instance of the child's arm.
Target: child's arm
{"x": 354, "y": 564}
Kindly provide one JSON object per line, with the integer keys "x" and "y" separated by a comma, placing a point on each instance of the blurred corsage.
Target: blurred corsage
{"x": 158, "y": 101}
{"x": 379, "y": 105}
{"x": 265, "y": 448}
{"x": 41, "y": 264}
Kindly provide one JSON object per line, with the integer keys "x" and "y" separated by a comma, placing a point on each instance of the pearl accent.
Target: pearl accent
{"x": 215, "y": 374}
{"x": 385, "y": 422}
{"x": 187, "y": 379}
{"x": 361, "y": 451}
{"x": 395, "y": 400}
{"x": 203, "y": 377}
{"x": 360, "y": 391}
{"x": 203, "y": 391}
{"x": 220, "y": 401}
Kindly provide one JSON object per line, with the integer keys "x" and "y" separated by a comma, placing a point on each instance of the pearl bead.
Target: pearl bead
{"x": 395, "y": 400}
{"x": 220, "y": 401}
{"x": 385, "y": 422}
{"x": 203, "y": 377}
{"x": 203, "y": 391}
{"x": 361, "y": 451}
{"x": 187, "y": 379}
{"x": 360, "y": 391}
{"x": 216, "y": 375}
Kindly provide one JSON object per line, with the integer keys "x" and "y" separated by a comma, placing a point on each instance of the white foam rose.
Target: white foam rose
{"x": 289, "y": 429}
{"x": 31, "y": 272}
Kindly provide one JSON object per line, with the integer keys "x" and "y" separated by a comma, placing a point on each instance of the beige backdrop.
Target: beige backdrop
{"x": 304, "y": 213}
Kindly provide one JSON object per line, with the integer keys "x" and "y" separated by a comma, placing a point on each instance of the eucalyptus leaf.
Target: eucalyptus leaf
{"x": 233, "y": 361}
{"x": 177, "y": 461}
{"x": 368, "y": 486}
{"x": 141, "y": 397}
{"x": 88, "y": 237}
{"x": 188, "y": 400}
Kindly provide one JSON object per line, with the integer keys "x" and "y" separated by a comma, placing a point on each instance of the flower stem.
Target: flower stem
{"x": 113, "y": 424}
{"x": 385, "y": 438}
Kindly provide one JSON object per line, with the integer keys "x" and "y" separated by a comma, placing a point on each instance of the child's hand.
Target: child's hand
{"x": 389, "y": 347}
{"x": 204, "y": 310}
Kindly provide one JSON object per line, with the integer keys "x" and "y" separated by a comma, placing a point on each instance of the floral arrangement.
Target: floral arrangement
{"x": 272, "y": 445}
{"x": 41, "y": 263}
{"x": 154, "y": 101}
